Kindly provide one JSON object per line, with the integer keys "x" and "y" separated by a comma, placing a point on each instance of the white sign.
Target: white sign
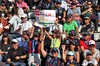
{"x": 45, "y": 18}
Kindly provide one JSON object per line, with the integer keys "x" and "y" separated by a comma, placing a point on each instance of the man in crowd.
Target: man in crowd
{"x": 84, "y": 43}
{"x": 24, "y": 25}
{"x": 17, "y": 55}
{"x": 70, "y": 25}
{"x": 94, "y": 51}
{"x": 53, "y": 59}
{"x": 72, "y": 37}
{"x": 23, "y": 41}
{"x": 46, "y": 5}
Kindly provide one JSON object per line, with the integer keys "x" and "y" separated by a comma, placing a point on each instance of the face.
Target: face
{"x": 14, "y": 45}
{"x": 54, "y": 35}
{"x": 35, "y": 38}
{"x": 3, "y": 7}
{"x": 70, "y": 57}
{"x": 91, "y": 47}
{"x": 89, "y": 4}
{"x": 87, "y": 37}
{"x": 24, "y": 19}
{"x": 58, "y": 5}
{"x": 20, "y": 1}
{"x": 5, "y": 38}
{"x": 69, "y": 19}
{"x": 87, "y": 21}
{"x": 72, "y": 37}
{"x": 72, "y": 46}
{"x": 54, "y": 54}
{"x": 89, "y": 57}
{"x": 67, "y": 0}
{"x": 73, "y": 6}
{"x": 26, "y": 37}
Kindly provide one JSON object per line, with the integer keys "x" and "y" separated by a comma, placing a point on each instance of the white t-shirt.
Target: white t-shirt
{"x": 1, "y": 26}
{"x": 25, "y": 26}
{"x": 85, "y": 62}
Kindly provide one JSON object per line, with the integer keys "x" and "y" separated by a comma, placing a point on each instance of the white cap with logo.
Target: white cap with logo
{"x": 23, "y": 15}
{"x": 91, "y": 42}
{"x": 14, "y": 40}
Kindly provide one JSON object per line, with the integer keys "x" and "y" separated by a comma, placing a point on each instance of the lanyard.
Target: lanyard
{"x": 54, "y": 61}
{"x": 34, "y": 46}
{"x": 59, "y": 10}
{"x": 24, "y": 25}
{"x": 21, "y": 5}
{"x": 54, "y": 43}
{"x": 91, "y": 61}
{"x": 47, "y": 6}
{"x": 86, "y": 43}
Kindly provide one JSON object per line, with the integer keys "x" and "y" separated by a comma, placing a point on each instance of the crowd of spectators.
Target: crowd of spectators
{"x": 69, "y": 43}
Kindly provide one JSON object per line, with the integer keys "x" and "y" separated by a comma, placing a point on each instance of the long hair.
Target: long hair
{"x": 15, "y": 9}
{"x": 8, "y": 41}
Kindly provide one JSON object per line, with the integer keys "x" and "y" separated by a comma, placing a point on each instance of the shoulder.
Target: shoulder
{"x": 19, "y": 39}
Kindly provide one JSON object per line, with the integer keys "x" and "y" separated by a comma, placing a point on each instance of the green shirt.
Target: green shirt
{"x": 68, "y": 27}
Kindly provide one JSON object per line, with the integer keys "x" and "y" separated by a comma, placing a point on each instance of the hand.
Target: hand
{"x": 56, "y": 23}
{"x": 1, "y": 52}
{"x": 67, "y": 36}
{"x": 20, "y": 26}
{"x": 17, "y": 57}
{"x": 89, "y": 10}
{"x": 93, "y": 51}
{"x": 64, "y": 20}
{"x": 63, "y": 47}
{"x": 42, "y": 37}
{"x": 78, "y": 35}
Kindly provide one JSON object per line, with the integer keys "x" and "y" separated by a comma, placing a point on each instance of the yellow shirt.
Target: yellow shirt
{"x": 55, "y": 43}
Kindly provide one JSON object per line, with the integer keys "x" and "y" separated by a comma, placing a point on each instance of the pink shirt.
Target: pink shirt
{"x": 23, "y": 4}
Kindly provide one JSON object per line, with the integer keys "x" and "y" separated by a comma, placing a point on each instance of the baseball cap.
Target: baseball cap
{"x": 72, "y": 32}
{"x": 70, "y": 53}
{"x": 5, "y": 34}
{"x": 54, "y": 50}
{"x": 55, "y": 31}
{"x": 69, "y": 16}
{"x": 3, "y": 4}
{"x": 35, "y": 34}
{"x": 23, "y": 15}
{"x": 26, "y": 33}
{"x": 91, "y": 42}
{"x": 89, "y": 53}
{"x": 73, "y": 3}
{"x": 73, "y": 42}
{"x": 87, "y": 18}
{"x": 14, "y": 40}
{"x": 86, "y": 33}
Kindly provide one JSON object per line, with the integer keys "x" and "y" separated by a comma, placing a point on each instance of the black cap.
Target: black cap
{"x": 72, "y": 42}
{"x": 3, "y": 4}
{"x": 73, "y": 3}
{"x": 26, "y": 32}
{"x": 5, "y": 34}
{"x": 86, "y": 33}
{"x": 89, "y": 53}
{"x": 35, "y": 34}
{"x": 69, "y": 16}
{"x": 55, "y": 31}
{"x": 72, "y": 32}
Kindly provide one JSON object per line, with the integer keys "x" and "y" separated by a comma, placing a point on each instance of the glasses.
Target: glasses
{"x": 91, "y": 45}
{"x": 22, "y": 18}
{"x": 35, "y": 36}
{"x": 13, "y": 43}
{"x": 69, "y": 55}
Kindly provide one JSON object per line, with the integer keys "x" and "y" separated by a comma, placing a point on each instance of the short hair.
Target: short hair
{"x": 90, "y": 64}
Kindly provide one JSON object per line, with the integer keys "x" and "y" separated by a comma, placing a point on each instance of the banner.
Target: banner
{"x": 45, "y": 18}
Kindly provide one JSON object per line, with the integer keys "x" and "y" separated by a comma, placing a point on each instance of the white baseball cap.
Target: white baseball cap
{"x": 91, "y": 42}
{"x": 14, "y": 40}
{"x": 23, "y": 15}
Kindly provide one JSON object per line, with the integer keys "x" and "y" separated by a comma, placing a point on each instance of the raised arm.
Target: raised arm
{"x": 64, "y": 53}
{"x": 43, "y": 52}
{"x": 47, "y": 34}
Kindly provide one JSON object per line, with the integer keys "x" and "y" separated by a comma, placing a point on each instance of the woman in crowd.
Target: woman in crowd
{"x": 4, "y": 47}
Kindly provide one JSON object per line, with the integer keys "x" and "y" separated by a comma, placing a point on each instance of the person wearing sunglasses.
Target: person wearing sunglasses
{"x": 69, "y": 59}
{"x": 24, "y": 25}
{"x": 95, "y": 52}
{"x": 16, "y": 55}
{"x": 53, "y": 59}
{"x": 89, "y": 61}
{"x": 34, "y": 50}
{"x": 91, "y": 13}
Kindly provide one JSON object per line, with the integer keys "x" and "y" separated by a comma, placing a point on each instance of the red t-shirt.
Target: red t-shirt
{"x": 82, "y": 43}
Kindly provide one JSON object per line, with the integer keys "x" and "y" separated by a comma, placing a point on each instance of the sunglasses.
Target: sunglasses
{"x": 13, "y": 43}
{"x": 91, "y": 45}
{"x": 69, "y": 55}
{"x": 53, "y": 51}
{"x": 22, "y": 18}
{"x": 35, "y": 36}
